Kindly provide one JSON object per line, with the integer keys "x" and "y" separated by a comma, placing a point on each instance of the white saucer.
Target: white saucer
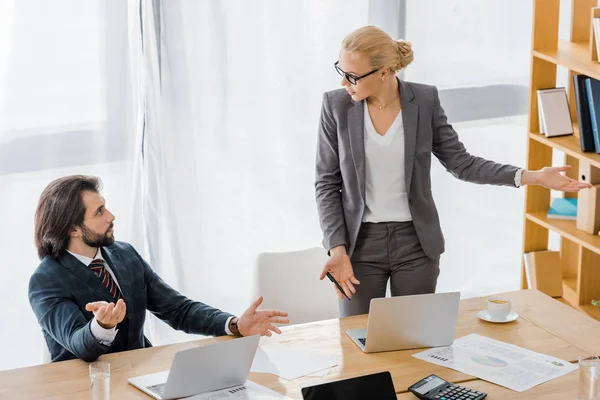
{"x": 485, "y": 315}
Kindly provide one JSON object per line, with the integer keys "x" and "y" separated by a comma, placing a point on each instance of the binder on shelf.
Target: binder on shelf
{"x": 588, "y": 173}
{"x": 586, "y": 136}
{"x": 554, "y": 115}
{"x": 588, "y": 210}
{"x": 563, "y": 208}
{"x": 543, "y": 271}
{"x": 593, "y": 91}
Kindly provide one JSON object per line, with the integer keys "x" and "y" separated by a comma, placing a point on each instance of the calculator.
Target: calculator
{"x": 435, "y": 388}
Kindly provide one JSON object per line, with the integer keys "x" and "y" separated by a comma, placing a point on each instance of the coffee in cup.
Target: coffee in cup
{"x": 498, "y": 307}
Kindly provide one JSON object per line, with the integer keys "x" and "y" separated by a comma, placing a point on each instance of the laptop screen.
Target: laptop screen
{"x": 375, "y": 386}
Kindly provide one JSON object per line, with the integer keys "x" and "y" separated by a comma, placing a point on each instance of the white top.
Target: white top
{"x": 386, "y": 199}
{"x": 107, "y": 336}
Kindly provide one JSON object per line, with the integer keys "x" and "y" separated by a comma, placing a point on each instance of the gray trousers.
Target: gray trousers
{"x": 389, "y": 250}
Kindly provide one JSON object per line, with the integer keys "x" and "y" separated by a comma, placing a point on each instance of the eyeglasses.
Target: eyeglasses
{"x": 349, "y": 77}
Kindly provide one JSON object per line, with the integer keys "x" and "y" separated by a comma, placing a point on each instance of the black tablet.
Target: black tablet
{"x": 377, "y": 386}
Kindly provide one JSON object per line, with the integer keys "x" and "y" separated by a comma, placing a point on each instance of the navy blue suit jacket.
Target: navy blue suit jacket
{"x": 60, "y": 289}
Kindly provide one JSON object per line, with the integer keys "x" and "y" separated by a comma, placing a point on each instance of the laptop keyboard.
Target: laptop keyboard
{"x": 363, "y": 341}
{"x": 158, "y": 389}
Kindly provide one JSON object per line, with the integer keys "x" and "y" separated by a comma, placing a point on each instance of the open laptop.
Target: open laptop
{"x": 202, "y": 369}
{"x": 408, "y": 322}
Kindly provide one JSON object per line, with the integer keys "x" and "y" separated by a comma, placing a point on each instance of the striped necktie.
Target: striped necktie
{"x": 107, "y": 280}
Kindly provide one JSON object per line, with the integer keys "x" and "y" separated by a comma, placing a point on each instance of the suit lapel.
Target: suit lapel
{"x": 85, "y": 274}
{"x": 357, "y": 142}
{"x": 410, "y": 117}
{"x": 124, "y": 278}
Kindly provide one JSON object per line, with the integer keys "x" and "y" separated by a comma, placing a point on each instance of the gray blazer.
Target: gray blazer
{"x": 340, "y": 166}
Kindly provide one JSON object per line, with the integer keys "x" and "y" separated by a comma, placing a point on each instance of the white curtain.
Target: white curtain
{"x": 200, "y": 117}
{"x": 228, "y": 166}
{"x": 64, "y": 109}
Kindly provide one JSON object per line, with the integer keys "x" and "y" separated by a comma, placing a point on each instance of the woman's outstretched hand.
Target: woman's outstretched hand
{"x": 551, "y": 178}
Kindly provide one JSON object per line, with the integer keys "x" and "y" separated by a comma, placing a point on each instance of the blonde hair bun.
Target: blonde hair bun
{"x": 405, "y": 53}
{"x": 379, "y": 47}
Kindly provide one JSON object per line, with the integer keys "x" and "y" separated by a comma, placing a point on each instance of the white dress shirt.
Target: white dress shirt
{"x": 103, "y": 335}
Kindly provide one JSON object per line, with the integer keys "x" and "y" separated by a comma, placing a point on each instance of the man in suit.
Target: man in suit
{"x": 90, "y": 294}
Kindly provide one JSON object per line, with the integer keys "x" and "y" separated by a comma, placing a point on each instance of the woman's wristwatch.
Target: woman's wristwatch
{"x": 233, "y": 326}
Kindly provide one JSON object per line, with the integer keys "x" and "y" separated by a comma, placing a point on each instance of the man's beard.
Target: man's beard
{"x": 94, "y": 239}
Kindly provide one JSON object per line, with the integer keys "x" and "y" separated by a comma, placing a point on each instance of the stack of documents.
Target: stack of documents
{"x": 501, "y": 363}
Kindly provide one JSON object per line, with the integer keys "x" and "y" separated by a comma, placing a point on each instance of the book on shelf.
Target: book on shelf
{"x": 593, "y": 91}
{"x": 586, "y": 135}
{"x": 563, "y": 208}
{"x": 543, "y": 271}
{"x": 596, "y": 27}
{"x": 553, "y": 112}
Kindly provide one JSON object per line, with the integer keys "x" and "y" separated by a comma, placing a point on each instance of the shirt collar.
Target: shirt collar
{"x": 86, "y": 260}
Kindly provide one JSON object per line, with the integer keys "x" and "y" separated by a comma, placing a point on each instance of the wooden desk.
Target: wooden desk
{"x": 545, "y": 326}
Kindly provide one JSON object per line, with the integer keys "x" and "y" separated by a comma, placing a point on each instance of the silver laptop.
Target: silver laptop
{"x": 408, "y": 322}
{"x": 202, "y": 369}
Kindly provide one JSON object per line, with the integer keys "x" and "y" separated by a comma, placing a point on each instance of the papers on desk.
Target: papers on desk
{"x": 501, "y": 363}
{"x": 249, "y": 390}
{"x": 290, "y": 363}
{"x": 319, "y": 374}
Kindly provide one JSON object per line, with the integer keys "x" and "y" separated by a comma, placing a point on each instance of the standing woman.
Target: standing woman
{"x": 373, "y": 184}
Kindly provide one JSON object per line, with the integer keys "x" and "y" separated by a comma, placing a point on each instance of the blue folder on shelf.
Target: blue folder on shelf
{"x": 563, "y": 208}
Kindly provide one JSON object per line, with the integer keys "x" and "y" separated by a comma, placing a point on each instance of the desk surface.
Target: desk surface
{"x": 546, "y": 326}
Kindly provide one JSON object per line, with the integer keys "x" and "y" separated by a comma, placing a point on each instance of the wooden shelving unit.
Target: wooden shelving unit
{"x": 580, "y": 251}
{"x": 567, "y": 230}
{"x": 570, "y": 145}
{"x": 574, "y": 56}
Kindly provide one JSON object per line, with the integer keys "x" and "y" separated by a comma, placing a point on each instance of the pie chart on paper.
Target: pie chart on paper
{"x": 489, "y": 361}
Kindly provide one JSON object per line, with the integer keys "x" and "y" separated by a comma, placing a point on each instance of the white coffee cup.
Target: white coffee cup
{"x": 498, "y": 307}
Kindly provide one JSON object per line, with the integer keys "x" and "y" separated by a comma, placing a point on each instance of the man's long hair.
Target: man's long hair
{"x": 59, "y": 211}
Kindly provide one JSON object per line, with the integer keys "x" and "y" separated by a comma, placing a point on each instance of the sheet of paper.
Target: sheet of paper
{"x": 320, "y": 374}
{"x": 248, "y": 391}
{"x": 501, "y": 363}
{"x": 289, "y": 362}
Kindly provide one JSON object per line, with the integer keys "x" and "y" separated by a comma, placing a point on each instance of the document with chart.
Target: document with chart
{"x": 501, "y": 363}
{"x": 249, "y": 390}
